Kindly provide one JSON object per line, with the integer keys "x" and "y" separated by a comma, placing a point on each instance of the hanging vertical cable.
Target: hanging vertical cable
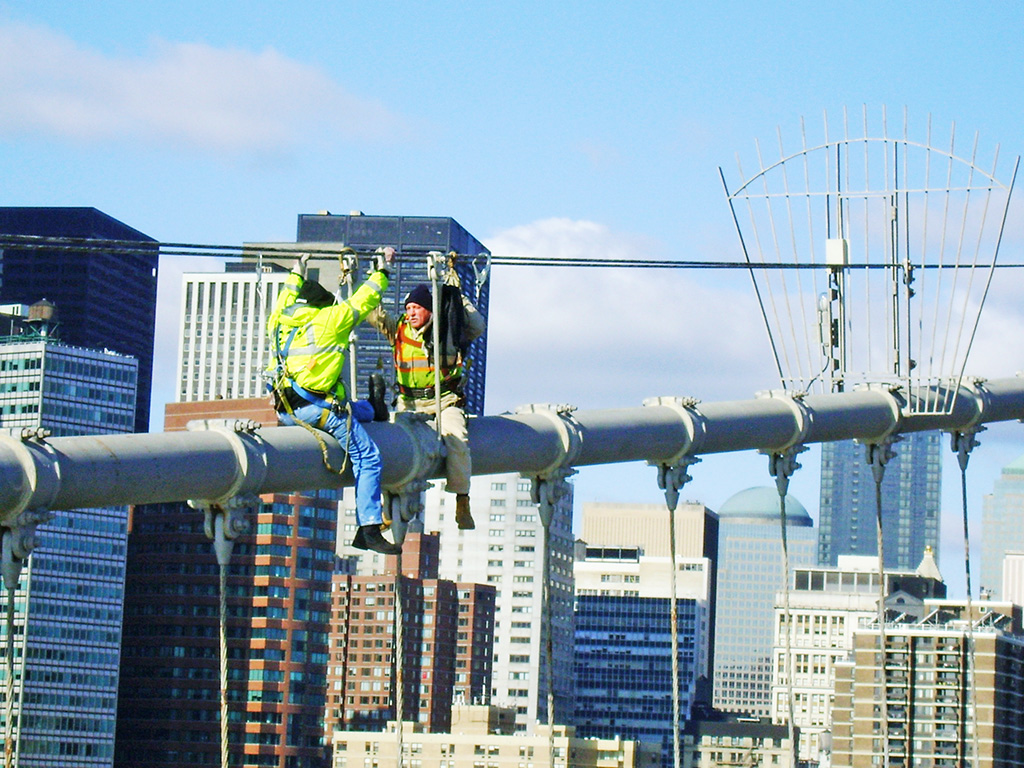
{"x": 781, "y": 466}
{"x": 432, "y": 268}
{"x": 224, "y": 730}
{"x": 549, "y": 649}
{"x": 878, "y": 455}
{"x": 671, "y": 478}
{"x": 398, "y": 654}
{"x": 963, "y": 442}
{"x": 9, "y": 701}
{"x": 674, "y": 630}
{"x": 787, "y": 624}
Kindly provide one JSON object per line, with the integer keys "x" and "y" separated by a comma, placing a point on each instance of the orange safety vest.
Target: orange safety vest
{"x": 414, "y": 365}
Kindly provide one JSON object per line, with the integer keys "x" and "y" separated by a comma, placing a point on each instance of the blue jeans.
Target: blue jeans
{"x": 362, "y": 452}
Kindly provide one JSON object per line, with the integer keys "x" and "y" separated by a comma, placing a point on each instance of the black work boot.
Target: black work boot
{"x": 369, "y": 537}
{"x": 376, "y": 398}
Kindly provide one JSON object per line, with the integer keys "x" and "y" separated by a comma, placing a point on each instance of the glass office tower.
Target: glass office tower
{"x": 911, "y": 490}
{"x": 68, "y": 641}
{"x": 106, "y": 296}
{"x": 750, "y": 572}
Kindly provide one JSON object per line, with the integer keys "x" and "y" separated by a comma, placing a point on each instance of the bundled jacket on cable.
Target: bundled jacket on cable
{"x": 312, "y": 340}
{"x": 413, "y": 348}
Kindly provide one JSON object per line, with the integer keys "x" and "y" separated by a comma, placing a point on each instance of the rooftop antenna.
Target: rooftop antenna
{"x": 871, "y": 254}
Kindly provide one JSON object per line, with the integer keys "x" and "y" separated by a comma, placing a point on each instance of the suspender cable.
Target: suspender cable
{"x": 878, "y": 455}
{"x": 432, "y": 266}
{"x": 671, "y": 478}
{"x": 674, "y": 630}
{"x": 787, "y": 619}
{"x": 224, "y": 730}
{"x": 222, "y": 525}
{"x": 963, "y": 442}
{"x": 9, "y": 701}
{"x": 348, "y": 264}
{"x": 781, "y": 466}
{"x": 546, "y": 491}
{"x": 398, "y": 654}
{"x": 549, "y": 649}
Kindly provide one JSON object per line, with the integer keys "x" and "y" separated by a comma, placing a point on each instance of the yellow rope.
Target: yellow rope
{"x": 279, "y": 393}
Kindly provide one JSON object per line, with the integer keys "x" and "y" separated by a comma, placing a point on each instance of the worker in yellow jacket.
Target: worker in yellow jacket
{"x": 310, "y": 330}
{"x": 411, "y": 337}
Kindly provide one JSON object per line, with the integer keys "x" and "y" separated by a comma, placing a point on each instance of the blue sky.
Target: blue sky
{"x": 591, "y": 128}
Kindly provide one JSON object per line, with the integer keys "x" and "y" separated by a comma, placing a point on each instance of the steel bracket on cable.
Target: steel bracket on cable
{"x": 403, "y": 500}
{"x": 35, "y": 490}
{"x": 224, "y": 517}
{"x": 223, "y": 522}
{"x": 551, "y": 484}
{"x": 548, "y": 490}
{"x": 569, "y": 433}
{"x": 802, "y": 417}
{"x": 782, "y": 465}
{"x": 964, "y": 440}
{"x": 693, "y": 424}
{"x": 878, "y": 451}
{"x": 672, "y": 478}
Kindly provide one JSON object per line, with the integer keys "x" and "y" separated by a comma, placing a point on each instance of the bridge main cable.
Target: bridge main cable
{"x": 228, "y": 462}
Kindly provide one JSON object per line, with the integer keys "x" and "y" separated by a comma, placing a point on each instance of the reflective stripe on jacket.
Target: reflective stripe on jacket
{"x": 315, "y": 355}
{"x": 414, "y": 362}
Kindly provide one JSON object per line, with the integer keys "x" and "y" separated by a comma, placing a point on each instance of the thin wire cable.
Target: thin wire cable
{"x": 9, "y": 703}
{"x": 674, "y": 628}
{"x": 788, "y": 625}
{"x": 772, "y": 231}
{"x": 884, "y": 706}
{"x": 549, "y": 647}
{"x": 224, "y": 730}
{"x": 399, "y": 657}
{"x": 19, "y": 242}
{"x": 971, "y": 667}
{"x": 973, "y": 265}
{"x": 757, "y": 290}
{"x": 803, "y": 373}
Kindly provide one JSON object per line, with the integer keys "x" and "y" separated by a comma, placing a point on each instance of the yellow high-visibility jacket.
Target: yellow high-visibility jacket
{"x": 315, "y": 354}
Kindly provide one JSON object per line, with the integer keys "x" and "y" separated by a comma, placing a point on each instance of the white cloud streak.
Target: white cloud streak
{"x": 599, "y": 338}
{"x": 179, "y": 94}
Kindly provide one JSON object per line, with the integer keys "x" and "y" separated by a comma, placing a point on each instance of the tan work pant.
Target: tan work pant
{"x": 458, "y": 464}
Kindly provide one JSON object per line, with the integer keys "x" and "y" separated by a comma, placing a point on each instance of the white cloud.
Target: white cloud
{"x": 598, "y": 338}
{"x": 217, "y": 99}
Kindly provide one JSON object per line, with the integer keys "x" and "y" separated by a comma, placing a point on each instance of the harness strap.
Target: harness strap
{"x": 448, "y": 385}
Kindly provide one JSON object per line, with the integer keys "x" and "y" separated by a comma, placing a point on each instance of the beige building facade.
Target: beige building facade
{"x": 954, "y": 691}
{"x": 484, "y": 737}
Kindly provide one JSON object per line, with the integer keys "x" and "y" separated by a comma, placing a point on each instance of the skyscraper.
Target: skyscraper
{"x": 413, "y": 237}
{"x": 953, "y": 695}
{"x": 223, "y": 349}
{"x": 623, "y": 642}
{"x": 278, "y": 602}
{"x": 826, "y": 606}
{"x": 507, "y": 551}
{"x": 105, "y": 296}
{"x": 448, "y": 637}
{"x": 911, "y": 490}
{"x": 1001, "y": 528}
{"x": 750, "y": 572}
{"x": 67, "y": 644}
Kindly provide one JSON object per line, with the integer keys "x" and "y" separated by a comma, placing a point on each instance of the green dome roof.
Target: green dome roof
{"x": 762, "y": 504}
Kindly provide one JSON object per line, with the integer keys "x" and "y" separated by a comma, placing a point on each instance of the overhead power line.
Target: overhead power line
{"x": 141, "y": 247}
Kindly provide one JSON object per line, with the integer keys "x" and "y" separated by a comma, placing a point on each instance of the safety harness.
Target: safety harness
{"x": 280, "y": 386}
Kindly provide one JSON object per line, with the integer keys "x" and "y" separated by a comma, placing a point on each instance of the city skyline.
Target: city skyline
{"x": 285, "y": 120}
